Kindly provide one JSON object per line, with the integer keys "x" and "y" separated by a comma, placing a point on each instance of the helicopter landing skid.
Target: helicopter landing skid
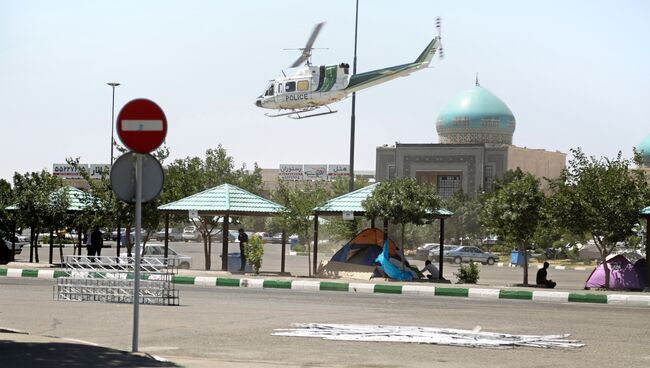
{"x": 290, "y": 112}
{"x": 297, "y": 114}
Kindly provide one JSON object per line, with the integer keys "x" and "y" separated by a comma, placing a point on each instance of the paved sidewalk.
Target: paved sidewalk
{"x": 423, "y": 289}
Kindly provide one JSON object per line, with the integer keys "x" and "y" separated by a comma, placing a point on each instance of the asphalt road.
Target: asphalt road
{"x": 298, "y": 265}
{"x": 232, "y": 327}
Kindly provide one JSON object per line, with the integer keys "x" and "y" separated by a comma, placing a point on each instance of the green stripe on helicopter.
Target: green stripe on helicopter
{"x": 330, "y": 79}
{"x": 369, "y": 77}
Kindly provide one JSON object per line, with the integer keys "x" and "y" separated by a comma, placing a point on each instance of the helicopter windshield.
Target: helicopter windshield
{"x": 269, "y": 90}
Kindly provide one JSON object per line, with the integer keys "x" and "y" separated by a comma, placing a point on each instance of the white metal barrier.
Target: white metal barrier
{"x": 111, "y": 279}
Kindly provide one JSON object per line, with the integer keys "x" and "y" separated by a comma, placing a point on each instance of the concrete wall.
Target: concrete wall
{"x": 538, "y": 162}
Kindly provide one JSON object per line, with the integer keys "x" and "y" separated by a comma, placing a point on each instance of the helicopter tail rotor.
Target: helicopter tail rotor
{"x": 306, "y": 51}
{"x": 441, "y": 50}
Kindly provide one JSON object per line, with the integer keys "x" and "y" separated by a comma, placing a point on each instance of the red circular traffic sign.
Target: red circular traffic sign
{"x": 141, "y": 125}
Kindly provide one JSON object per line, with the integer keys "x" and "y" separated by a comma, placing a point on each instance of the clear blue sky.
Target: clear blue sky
{"x": 574, "y": 73}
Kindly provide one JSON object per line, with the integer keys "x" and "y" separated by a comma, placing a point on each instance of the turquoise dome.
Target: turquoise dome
{"x": 644, "y": 149}
{"x": 475, "y": 116}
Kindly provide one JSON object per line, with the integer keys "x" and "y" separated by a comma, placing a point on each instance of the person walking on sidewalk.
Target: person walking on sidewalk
{"x": 243, "y": 240}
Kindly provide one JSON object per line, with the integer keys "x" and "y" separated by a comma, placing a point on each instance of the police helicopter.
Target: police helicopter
{"x": 313, "y": 87}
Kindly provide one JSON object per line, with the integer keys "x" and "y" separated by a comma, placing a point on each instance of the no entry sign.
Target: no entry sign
{"x": 141, "y": 125}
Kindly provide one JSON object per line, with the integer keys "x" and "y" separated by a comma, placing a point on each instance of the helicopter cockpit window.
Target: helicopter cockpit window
{"x": 269, "y": 91}
{"x": 290, "y": 86}
{"x": 303, "y": 85}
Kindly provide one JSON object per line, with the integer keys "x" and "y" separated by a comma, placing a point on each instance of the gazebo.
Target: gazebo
{"x": 350, "y": 204}
{"x": 645, "y": 213}
{"x": 77, "y": 200}
{"x": 224, "y": 200}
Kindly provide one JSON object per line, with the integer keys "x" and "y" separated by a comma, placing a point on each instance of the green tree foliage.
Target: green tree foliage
{"x": 513, "y": 211}
{"x": 300, "y": 199}
{"x": 42, "y": 201}
{"x": 337, "y": 228}
{"x": 600, "y": 198}
{"x": 191, "y": 175}
{"x": 467, "y": 274}
{"x": 254, "y": 251}
{"x": 464, "y": 224}
{"x": 403, "y": 201}
{"x": 6, "y": 219}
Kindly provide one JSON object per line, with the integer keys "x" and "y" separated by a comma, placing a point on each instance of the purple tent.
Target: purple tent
{"x": 622, "y": 275}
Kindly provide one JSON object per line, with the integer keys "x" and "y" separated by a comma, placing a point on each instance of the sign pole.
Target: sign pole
{"x": 138, "y": 224}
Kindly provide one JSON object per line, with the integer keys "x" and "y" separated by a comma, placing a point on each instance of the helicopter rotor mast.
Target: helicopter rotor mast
{"x": 306, "y": 51}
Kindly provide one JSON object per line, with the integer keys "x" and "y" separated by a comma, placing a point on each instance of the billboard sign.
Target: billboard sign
{"x": 290, "y": 172}
{"x": 334, "y": 171}
{"x": 315, "y": 172}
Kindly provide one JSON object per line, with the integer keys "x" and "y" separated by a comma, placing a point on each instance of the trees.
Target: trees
{"x": 600, "y": 198}
{"x": 512, "y": 211}
{"x": 191, "y": 175}
{"x": 465, "y": 222}
{"x": 42, "y": 201}
{"x": 6, "y": 200}
{"x": 300, "y": 200}
{"x": 337, "y": 227}
{"x": 403, "y": 201}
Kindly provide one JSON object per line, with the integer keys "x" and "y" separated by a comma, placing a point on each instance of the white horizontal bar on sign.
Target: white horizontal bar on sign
{"x": 142, "y": 125}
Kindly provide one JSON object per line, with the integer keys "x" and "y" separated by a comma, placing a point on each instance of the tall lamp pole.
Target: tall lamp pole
{"x": 354, "y": 99}
{"x": 113, "y": 85}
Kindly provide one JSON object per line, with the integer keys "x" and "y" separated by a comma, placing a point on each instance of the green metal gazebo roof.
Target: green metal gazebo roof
{"x": 76, "y": 200}
{"x": 225, "y": 199}
{"x": 645, "y": 212}
{"x": 352, "y": 202}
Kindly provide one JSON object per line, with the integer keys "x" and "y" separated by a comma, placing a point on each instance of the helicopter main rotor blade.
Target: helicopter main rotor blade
{"x": 306, "y": 52}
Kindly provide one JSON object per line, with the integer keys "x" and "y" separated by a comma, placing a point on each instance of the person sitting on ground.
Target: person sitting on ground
{"x": 541, "y": 278}
{"x": 434, "y": 274}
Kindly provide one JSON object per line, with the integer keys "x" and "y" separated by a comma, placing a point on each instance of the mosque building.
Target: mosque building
{"x": 475, "y": 146}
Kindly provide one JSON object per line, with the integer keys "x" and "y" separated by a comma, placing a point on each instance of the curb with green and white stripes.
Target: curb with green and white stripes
{"x": 370, "y": 288}
{"x": 574, "y": 268}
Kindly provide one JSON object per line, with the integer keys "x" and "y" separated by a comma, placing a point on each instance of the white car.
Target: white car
{"x": 158, "y": 251}
{"x": 191, "y": 233}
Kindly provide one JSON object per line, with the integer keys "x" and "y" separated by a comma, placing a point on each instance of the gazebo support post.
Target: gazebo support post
{"x": 442, "y": 247}
{"x": 315, "y": 243}
{"x": 13, "y": 238}
{"x": 372, "y": 223}
{"x": 78, "y": 241}
{"x": 224, "y": 245}
{"x": 647, "y": 255}
{"x": 31, "y": 244}
{"x": 386, "y": 227}
{"x": 284, "y": 248}
{"x": 51, "y": 255}
{"x": 166, "y": 235}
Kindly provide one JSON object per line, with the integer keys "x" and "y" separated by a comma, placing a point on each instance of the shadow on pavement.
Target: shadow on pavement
{"x": 56, "y": 354}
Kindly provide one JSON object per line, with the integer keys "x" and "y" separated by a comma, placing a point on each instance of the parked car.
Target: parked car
{"x": 277, "y": 238}
{"x": 422, "y": 252}
{"x": 216, "y": 235}
{"x": 114, "y": 233}
{"x": 266, "y": 237}
{"x": 173, "y": 235}
{"x": 158, "y": 251}
{"x": 21, "y": 238}
{"x": 7, "y": 244}
{"x": 191, "y": 233}
{"x": 434, "y": 253}
{"x": 467, "y": 253}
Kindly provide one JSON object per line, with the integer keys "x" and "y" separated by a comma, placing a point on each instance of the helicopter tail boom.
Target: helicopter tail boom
{"x": 368, "y": 79}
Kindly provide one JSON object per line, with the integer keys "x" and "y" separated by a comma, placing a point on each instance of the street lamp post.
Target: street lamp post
{"x": 354, "y": 100}
{"x": 113, "y": 85}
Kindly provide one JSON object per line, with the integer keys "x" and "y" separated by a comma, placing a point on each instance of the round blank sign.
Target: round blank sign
{"x": 123, "y": 177}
